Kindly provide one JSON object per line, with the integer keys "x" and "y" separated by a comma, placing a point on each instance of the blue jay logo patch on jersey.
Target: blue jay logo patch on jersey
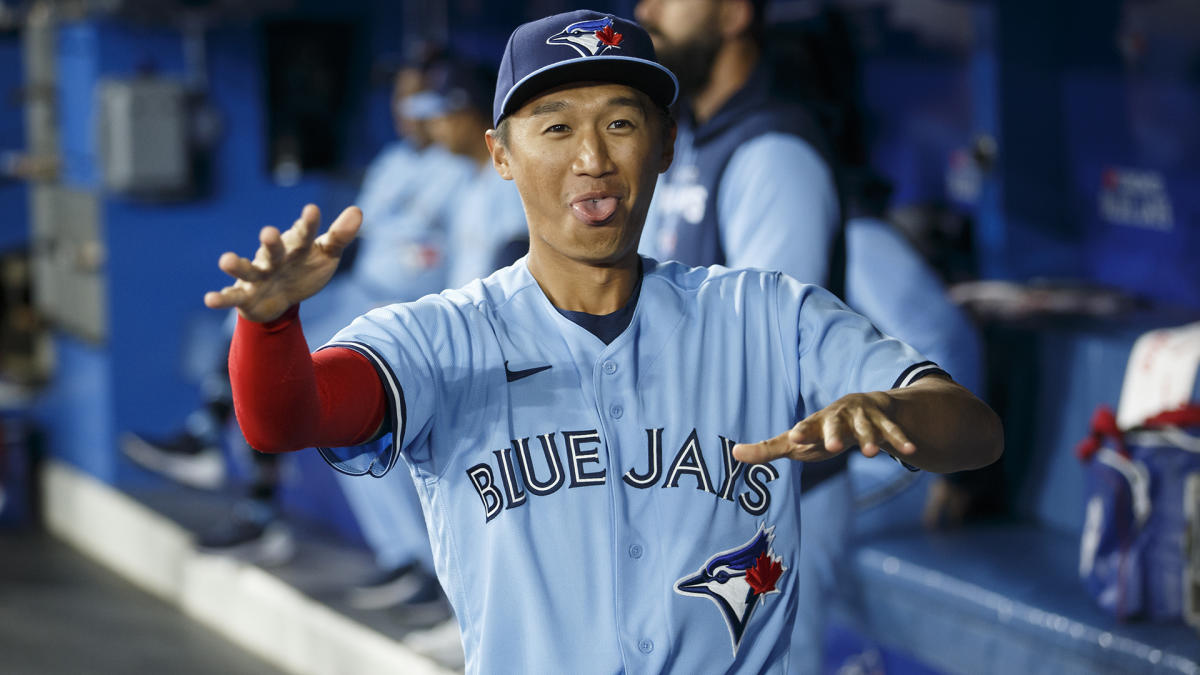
{"x": 589, "y": 38}
{"x": 738, "y": 581}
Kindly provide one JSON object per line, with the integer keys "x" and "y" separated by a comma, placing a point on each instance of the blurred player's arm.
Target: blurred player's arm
{"x": 285, "y": 398}
{"x": 932, "y": 424}
{"x": 778, "y": 208}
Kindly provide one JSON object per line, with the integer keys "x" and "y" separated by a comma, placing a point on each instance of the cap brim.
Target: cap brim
{"x": 651, "y": 78}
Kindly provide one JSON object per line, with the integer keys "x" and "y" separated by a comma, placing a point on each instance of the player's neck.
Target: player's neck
{"x": 731, "y": 70}
{"x": 579, "y": 287}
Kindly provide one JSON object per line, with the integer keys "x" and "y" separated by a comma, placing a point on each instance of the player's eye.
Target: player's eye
{"x": 557, "y": 129}
{"x": 620, "y": 124}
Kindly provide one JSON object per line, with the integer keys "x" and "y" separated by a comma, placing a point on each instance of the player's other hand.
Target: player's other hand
{"x": 288, "y": 267}
{"x": 860, "y": 420}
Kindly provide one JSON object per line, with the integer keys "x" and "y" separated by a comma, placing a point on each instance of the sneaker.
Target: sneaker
{"x": 425, "y": 606}
{"x": 387, "y": 588}
{"x": 253, "y": 533}
{"x": 442, "y": 643}
{"x": 183, "y": 458}
{"x": 413, "y": 595}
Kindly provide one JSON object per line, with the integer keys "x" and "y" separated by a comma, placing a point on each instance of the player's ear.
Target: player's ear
{"x": 668, "y": 149}
{"x": 499, "y": 154}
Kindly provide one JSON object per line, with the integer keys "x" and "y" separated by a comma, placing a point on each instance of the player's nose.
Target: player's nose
{"x": 591, "y": 157}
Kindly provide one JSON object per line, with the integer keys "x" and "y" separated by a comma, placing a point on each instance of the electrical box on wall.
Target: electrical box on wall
{"x": 69, "y": 261}
{"x": 142, "y": 137}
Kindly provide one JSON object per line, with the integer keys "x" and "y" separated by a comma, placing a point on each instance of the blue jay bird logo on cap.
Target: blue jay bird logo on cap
{"x": 589, "y": 38}
{"x": 737, "y": 581}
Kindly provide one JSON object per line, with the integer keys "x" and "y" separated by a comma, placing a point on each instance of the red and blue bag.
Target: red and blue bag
{"x": 1138, "y": 549}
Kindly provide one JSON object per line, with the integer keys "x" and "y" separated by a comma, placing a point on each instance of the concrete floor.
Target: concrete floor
{"x": 62, "y": 613}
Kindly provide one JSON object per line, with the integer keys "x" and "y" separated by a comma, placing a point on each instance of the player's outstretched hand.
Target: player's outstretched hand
{"x": 287, "y": 268}
{"x": 861, "y": 420}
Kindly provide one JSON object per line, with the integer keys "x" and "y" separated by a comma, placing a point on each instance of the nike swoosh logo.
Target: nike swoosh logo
{"x": 514, "y": 375}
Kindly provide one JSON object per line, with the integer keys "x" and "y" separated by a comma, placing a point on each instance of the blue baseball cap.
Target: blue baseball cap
{"x": 453, "y": 85}
{"x": 579, "y": 46}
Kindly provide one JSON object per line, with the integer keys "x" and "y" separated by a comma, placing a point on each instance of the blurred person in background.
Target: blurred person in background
{"x": 487, "y": 225}
{"x": 751, "y": 185}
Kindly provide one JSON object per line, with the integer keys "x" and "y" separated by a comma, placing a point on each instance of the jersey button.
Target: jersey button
{"x": 616, "y": 411}
{"x": 646, "y": 646}
{"x": 635, "y": 551}
{"x": 610, "y": 367}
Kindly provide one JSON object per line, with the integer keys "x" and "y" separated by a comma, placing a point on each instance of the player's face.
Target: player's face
{"x": 686, "y": 35}
{"x": 459, "y": 132}
{"x": 585, "y": 159}
{"x": 408, "y": 81}
{"x": 675, "y": 22}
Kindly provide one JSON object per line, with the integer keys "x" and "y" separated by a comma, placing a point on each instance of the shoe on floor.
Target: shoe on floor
{"x": 183, "y": 458}
{"x": 426, "y": 606}
{"x": 253, "y": 533}
{"x": 442, "y": 643}
{"x": 388, "y": 588}
{"x": 411, "y": 594}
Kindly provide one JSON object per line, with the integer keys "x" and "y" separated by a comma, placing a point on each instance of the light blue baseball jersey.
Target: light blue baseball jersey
{"x": 585, "y": 509}
{"x": 390, "y": 181}
{"x": 777, "y": 207}
{"x": 402, "y": 251}
{"x": 488, "y": 216}
{"x": 889, "y": 282}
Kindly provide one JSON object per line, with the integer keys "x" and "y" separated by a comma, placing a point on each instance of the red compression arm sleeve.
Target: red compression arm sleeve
{"x": 286, "y": 399}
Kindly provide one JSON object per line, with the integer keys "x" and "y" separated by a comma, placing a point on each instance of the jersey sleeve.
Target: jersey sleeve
{"x": 401, "y": 349}
{"x": 778, "y": 208}
{"x": 889, "y": 282}
{"x": 841, "y": 352}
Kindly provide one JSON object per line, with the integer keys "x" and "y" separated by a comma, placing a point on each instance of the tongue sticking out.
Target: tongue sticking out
{"x": 594, "y": 211}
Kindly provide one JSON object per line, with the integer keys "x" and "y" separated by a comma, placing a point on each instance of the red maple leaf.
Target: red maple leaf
{"x": 764, "y": 574}
{"x": 609, "y": 37}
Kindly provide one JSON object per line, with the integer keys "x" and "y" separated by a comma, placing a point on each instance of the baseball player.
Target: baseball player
{"x": 580, "y": 425}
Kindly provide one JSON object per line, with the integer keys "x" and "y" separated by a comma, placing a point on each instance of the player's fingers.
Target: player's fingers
{"x": 230, "y": 296}
{"x": 867, "y": 434}
{"x": 308, "y": 224}
{"x": 837, "y": 432}
{"x": 807, "y": 431}
{"x": 895, "y": 436}
{"x": 341, "y": 232}
{"x": 270, "y": 253}
{"x": 238, "y": 267}
{"x": 303, "y": 230}
{"x": 763, "y": 451}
